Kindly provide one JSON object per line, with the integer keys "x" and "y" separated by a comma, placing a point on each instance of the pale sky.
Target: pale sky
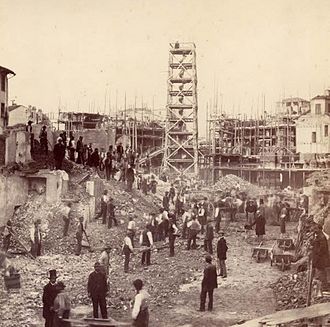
{"x": 76, "y": 51}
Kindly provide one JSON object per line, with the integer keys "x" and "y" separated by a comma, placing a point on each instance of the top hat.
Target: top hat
{"x": 52, "y": 274}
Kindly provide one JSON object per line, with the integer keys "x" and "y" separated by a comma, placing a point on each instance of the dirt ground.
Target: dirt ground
{"x": 173, "y": 283}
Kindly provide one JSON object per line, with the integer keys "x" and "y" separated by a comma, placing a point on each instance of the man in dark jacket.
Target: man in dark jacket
{"x": 320, "y": 255}
{"x": 97, "y": 290}
{"x": 80, "y": 150}
{"x": 209, "y": 283}
{"x": 166, "y": 201}
{"x": 48, "y": 297}
{"x": 222, "y": 255}
{"x": 59, "y": 153}
{"x": 95, "y": 158}
{"x": 146, "y": 241}
{"x": 208, "y": 239}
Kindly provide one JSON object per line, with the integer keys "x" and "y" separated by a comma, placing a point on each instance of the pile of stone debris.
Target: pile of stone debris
{"x": 229, "y": 182}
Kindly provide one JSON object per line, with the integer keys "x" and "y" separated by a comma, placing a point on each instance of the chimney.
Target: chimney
{"x": 327, "y": 92}
{"x": 13, "y": 102}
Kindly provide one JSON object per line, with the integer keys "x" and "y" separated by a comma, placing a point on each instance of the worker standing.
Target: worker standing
{"x": 209, "y": 283}
{"x": 209, "y": 236}
{"x": 59, "y": 153}
{"x": 111, "y": 214}
{"x": 97, "y": 290}
{"x": 79, "y": 235}
{"x": 105, "y": 260}
{"x": 6, "y": 236}
{"x": 80, "y": 150}
{"x": 140, "y": 312}
{"x": 147, "y": 241}
{"x": 172, "y": 233}
{"x": 43, "y": 139}
{"x": 62, "y": 307}
{"x": 194, "y": 228}
{"x": 67, "y": 214}
{"x": 104, "y": 207}
{"x": 130, "y": 177}
{"x": 131, "y": 229}
{"x": 222, "y": 249}
{"x": 186, "y": 217}
{"x": 127, "y": 250}
{"x": 35, "y": 237}
{"x": 260, "y": 223}
{"x": 48, "y": 297}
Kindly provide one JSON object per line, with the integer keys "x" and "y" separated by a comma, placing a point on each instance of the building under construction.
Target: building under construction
{"x": 102, "y": 130}
{"x": 262, "y": 151}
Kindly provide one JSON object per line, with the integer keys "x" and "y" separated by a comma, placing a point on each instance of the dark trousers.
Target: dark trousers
{"x": 103, "y": 213}
{"x": 99, "y": 300}
{"x": 131, "y": 234}
{"x": 79, "y": 158}
{"x": 58, "y": 164}
{"x": 36, "y": 249}
{"x": 208, "y": 247}
{"x": 71, "y": 154}
{"x": 171, "y": 241}
{"x": 184, "y": 230}
{"x": 49, "y": 321}
{"x": 217, "y": 224}
{"x": 110, "y": 219}
{"x": 204, "y": 292}
{"x": 146, "y": 255}
{"x": 108, "y": 172}
{"x": 126, "y": 262}
{"x": 192, "y": 238}
{"x": 79, "y": 246}
{"x": 66, "y": 227}
{"x": 223, "y": 268}
{"x": 129, "y": 186}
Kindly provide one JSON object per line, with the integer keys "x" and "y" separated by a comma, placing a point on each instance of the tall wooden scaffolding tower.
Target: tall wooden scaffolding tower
{"x": 181, "y": 129}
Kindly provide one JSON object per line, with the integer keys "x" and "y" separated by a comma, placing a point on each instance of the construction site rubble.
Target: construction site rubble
{"x": 229, "y": 182}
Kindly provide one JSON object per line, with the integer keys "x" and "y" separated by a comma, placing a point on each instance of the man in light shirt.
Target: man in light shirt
{"x": 127, "y": 250}
{"x": 186, "y": 217}
{"x": 194, "y": 228}
{"x": 147, "y": 241}
{"x": 140, "y": 312}
{"x": 131, "y": 229}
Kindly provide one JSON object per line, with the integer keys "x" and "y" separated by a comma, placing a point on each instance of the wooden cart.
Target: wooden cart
{"x": 285, "y": 244}
{"x": 260, "y": 253}
{"x": 283, "y": 260}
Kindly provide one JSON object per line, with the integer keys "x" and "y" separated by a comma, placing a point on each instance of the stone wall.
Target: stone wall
{"x": 17, "y": 147}
{"x": 99, "y": 138}
{"x": 13, "y": 192}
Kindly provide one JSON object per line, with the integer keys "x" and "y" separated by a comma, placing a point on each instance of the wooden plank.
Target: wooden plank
{"x": 15, "y": 237}
{"x": 287, "y": 316}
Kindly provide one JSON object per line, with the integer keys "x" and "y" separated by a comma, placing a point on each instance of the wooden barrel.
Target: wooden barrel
{"x": 13, "y": 281}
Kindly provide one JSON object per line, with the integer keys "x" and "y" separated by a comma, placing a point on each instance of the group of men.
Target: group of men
{"x": 57, "y": 304}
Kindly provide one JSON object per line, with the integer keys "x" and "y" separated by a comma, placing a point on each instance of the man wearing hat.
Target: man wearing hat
{"x": 222, "y": 254}
{"x": 59, "y": 153}
{"x": 97, "y": 290}
{"x": 209, "y": 283}
{"x": 43, "y": 139}
{"x": 48, "y": 297}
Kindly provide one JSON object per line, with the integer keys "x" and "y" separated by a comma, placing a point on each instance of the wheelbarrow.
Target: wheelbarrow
{"x": 285, "y": 243}
{"x": 260, "y": 253}
{"x": 282, "y": 260}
